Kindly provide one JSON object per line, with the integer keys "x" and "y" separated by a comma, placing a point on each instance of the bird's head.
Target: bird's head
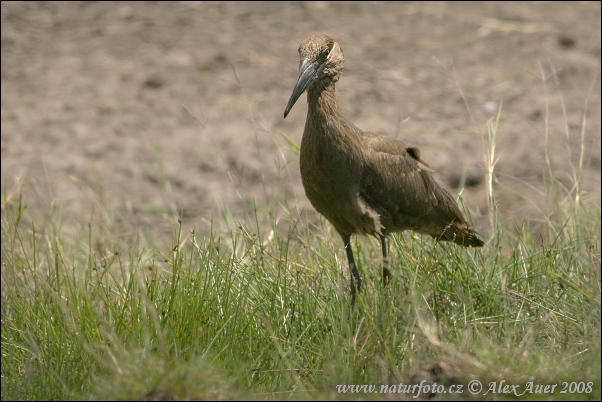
{"x": 321, "y": 63}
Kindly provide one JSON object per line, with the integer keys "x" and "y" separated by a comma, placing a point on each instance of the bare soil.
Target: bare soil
{"x": 134, "y": 110}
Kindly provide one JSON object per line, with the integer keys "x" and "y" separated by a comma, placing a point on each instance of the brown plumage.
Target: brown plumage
{"x": 360, "y": 181}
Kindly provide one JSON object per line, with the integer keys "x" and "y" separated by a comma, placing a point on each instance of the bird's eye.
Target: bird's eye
{"x": 325, "y": 52}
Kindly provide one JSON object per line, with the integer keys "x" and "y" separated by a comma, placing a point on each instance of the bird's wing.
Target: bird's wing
{"x": 397, "y": 180}
{"x": 378, "y": 143}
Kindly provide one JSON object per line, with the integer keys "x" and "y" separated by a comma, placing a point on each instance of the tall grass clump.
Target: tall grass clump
{"x": 247, "y": 309}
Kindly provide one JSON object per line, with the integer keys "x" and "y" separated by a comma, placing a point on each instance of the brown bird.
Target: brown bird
{"x": 360, "y": 181}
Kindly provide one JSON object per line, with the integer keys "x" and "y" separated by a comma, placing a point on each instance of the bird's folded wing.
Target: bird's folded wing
{"x": 396, "y": 178}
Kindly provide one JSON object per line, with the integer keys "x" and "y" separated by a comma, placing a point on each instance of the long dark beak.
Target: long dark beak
{"x": 307, "y": 69}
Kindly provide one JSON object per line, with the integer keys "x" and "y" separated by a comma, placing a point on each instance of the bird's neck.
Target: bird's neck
{"x": 322, "y": 102}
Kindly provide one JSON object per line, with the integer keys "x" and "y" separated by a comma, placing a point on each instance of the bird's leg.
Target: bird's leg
{"x": 386, "y": 272}
{"x": 386, "y": 280}
{"x": 356, "y": 281}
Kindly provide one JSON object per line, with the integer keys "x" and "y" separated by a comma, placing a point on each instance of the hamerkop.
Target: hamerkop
{"x": 360, "y": 181}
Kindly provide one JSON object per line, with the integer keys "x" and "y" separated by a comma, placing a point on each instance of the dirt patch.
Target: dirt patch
{"x": 137, "y": 109}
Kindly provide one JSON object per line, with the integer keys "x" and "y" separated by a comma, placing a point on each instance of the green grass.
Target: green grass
{"x": 249, "y": 310}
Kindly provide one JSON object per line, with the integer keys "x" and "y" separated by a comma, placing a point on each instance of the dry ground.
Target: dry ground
{"x": 134, "y": 109}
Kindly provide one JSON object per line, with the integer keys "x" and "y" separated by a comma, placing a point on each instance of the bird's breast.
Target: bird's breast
{"x": 331, "y": 179}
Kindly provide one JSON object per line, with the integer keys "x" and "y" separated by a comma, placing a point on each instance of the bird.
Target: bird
{"x": 360, "y": 181}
